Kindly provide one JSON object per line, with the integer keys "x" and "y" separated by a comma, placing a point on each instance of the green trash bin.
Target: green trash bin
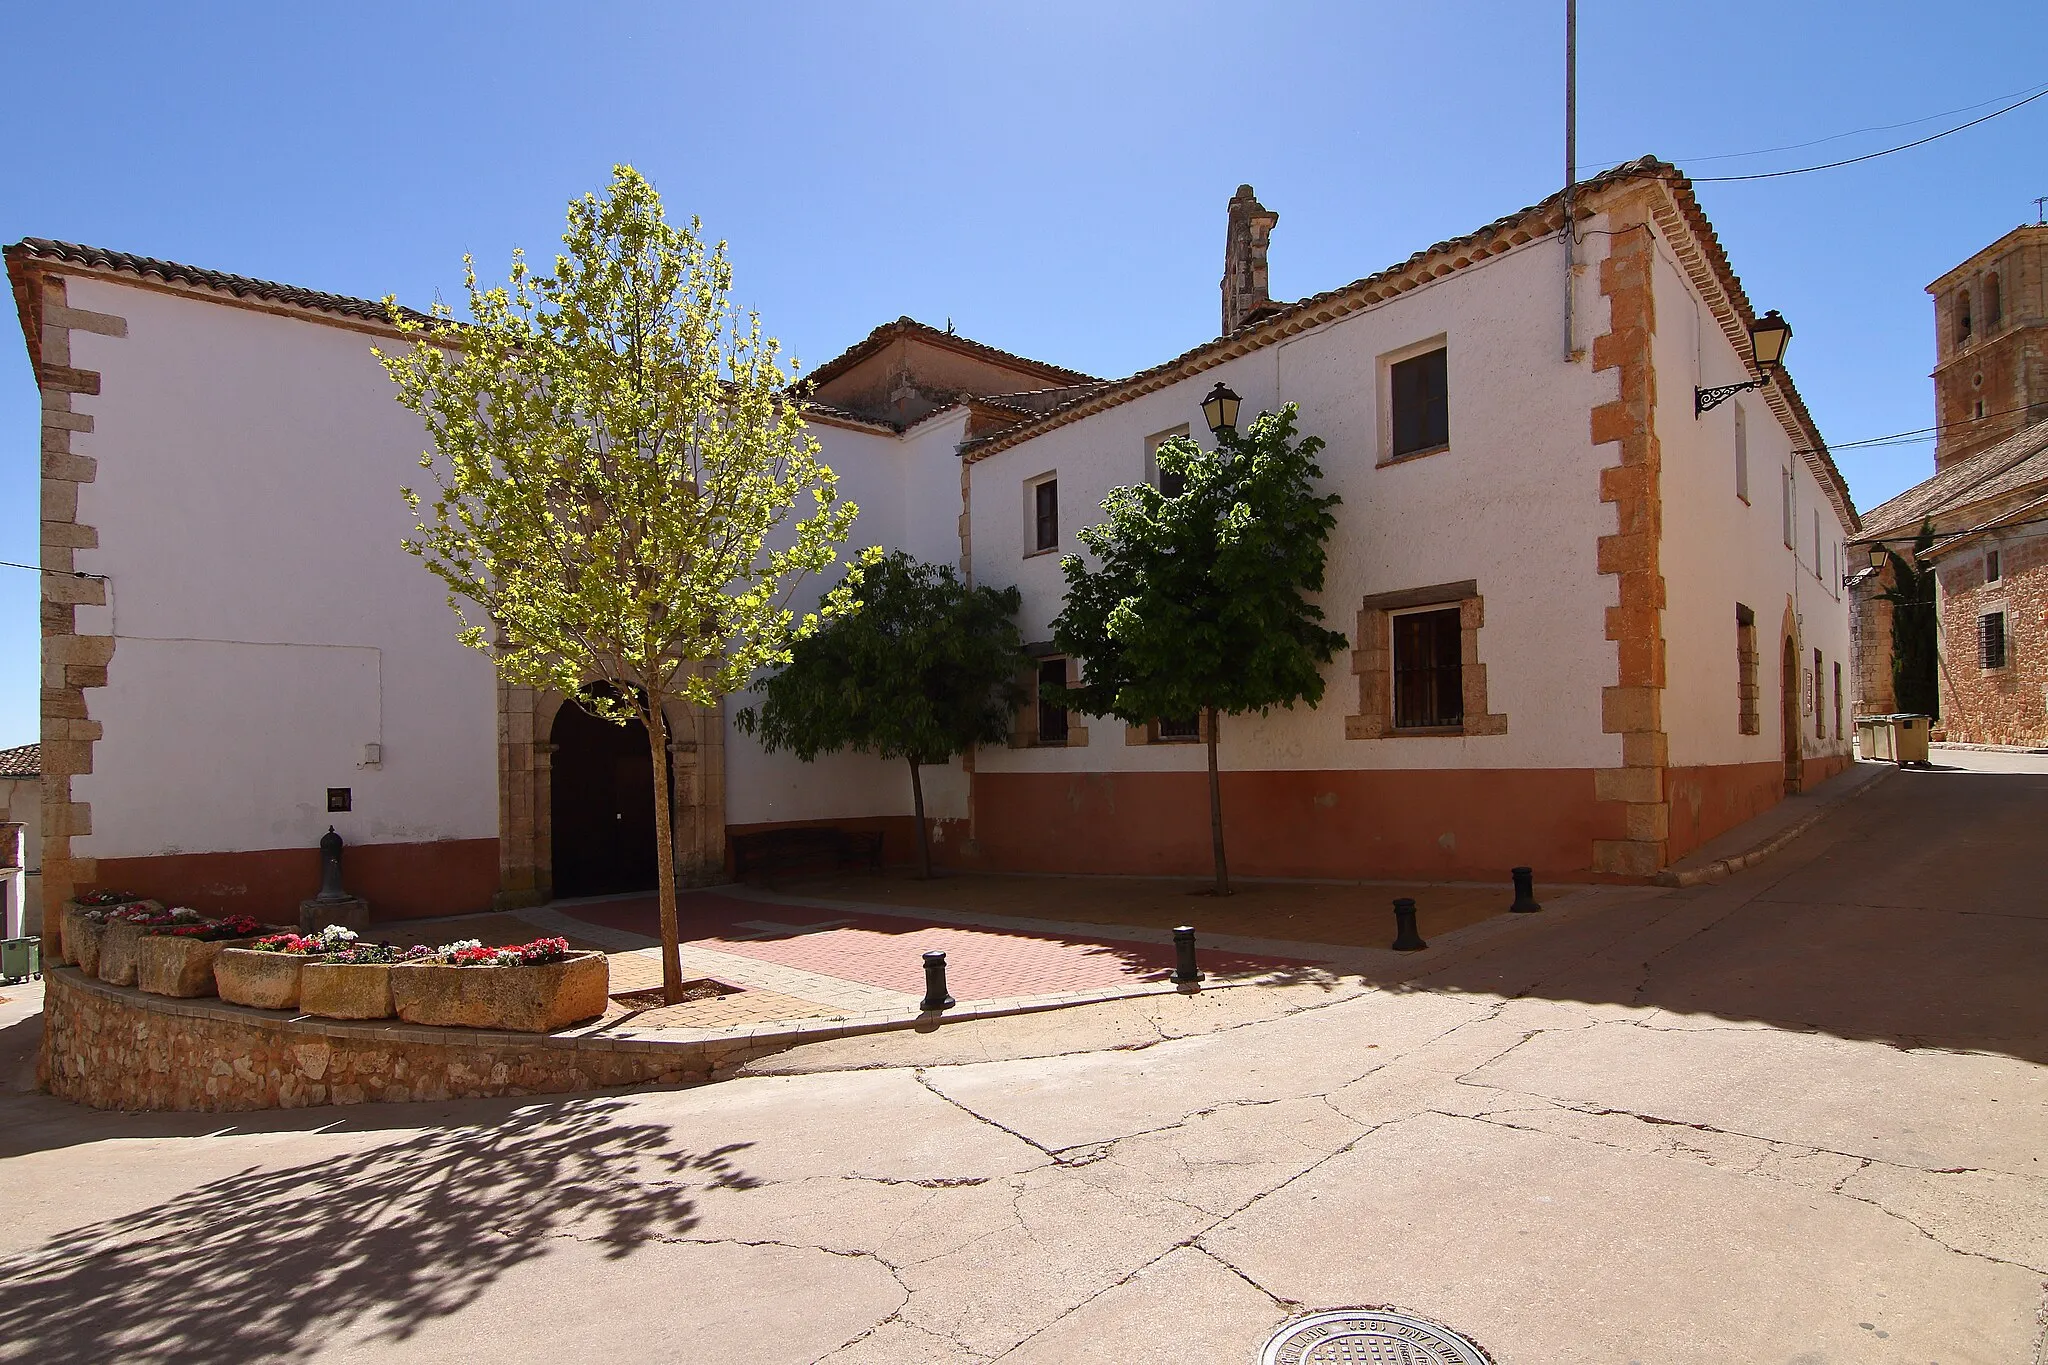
{"x": 20, "y": 959}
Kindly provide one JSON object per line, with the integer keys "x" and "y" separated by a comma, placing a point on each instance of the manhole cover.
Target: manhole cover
{"x": 1369, "y": 1336}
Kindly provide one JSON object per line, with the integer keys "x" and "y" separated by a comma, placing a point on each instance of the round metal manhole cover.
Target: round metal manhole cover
{"x": 1369, "y": 1336}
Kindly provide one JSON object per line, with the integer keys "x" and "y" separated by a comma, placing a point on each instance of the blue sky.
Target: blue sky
{"x": 1051, "y": 176}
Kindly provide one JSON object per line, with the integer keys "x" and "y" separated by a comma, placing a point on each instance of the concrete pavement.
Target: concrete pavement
{"x": 1797, "y": 1116}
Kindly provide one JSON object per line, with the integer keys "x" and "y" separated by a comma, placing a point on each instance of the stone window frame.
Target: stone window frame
{"x": 1372, "y": 661}
{"x": 1384, "y": 365}
{"x": 1024, "y": 726}
{"x": 1148, "y": 734}
{"x": 1748, "y": 695}
{"x": 1152, "y": 444}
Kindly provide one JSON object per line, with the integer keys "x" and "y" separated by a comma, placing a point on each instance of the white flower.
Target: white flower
{"x": 335, "y": 936}
{"x": 184, "y": 914}
{"x": 460, "y": 944}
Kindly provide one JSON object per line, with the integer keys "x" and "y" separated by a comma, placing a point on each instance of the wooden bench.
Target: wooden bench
{"x": 804, "y": 848}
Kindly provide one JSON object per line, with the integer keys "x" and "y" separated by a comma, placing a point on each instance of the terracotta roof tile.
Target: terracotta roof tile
{"x": 26, "y": 761}
{"x": 2006, "y": 467}
{"x": 241, "y": 286}
{"x": 908, "y": 326}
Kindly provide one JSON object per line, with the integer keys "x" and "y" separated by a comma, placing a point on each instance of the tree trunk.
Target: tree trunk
{"x": 665, "y": 857}
{"x": 1216, "y": 813}
{"x": 924, "y": 841}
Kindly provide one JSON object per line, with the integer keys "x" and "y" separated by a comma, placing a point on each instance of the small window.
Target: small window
{"x": 1816, "y": 542}
{"x": 1962, "y": 317}
{"x": 1979, "y": 413}
{"x": 1748, "y": 717}
{"x": 1991, "y": 566}
{"x": 1785, "y": 489}
{"x": 1994, "y": 302}
{"x": 1741, "y": 453}
{"x": 1177, "y": 730}
{"x": 1421, "y": 396}
{"x": 1172, "y": 485}
{"x": 1991, "y": 640}
{"x": 1820, "y": 720}
{"x": 1044, "y": 510}
{"x": 1429, "y": 684}
{"x": 1052, "y": 717}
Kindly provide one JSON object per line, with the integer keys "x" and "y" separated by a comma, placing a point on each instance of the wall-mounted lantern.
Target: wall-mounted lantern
{"x": 1219, "y": 410}
{"x": 1768, "y": 337}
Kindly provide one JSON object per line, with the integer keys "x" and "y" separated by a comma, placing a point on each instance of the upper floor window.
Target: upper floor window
{"x": 1994, "y": 301}
{"x": 1741, "y": 453}
{"x": 1962, "y": 317}
{"x": 1171, "y": 484}
{"x": 1420, "y": 395}
{"x": 1991, "y": 566}
{"x": 1042, "y": 514}
{"x": 1785, "y": 488}
{"x": 1816, "y": 542}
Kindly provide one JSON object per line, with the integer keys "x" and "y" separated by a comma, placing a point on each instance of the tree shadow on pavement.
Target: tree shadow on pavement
{"x": 273, "y": 1264}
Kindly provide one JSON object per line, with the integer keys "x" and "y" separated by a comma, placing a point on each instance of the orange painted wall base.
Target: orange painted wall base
{"x": 1418, "y": 823}
{"x": 899, "y": 836}
{"x": 400, "y": 881}
{"x": 1707, "y": 802}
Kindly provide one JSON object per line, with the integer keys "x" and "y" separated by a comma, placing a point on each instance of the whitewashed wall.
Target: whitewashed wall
{"x": 268, "y": 624}
{"x": 1513, "y": 503}
{"x": 1720, "y": 550}
{"x": 908, "y": 491}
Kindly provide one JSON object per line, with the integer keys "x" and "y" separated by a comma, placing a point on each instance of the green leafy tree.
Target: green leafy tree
{"x": 1914, "y": 658}
{"x": 1198, "y": 605}
{"x": 625, "y": 498}
{"x": 926, "y": 669}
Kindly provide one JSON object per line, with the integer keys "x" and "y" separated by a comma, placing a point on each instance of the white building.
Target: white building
{"x": 1645, "y": 604}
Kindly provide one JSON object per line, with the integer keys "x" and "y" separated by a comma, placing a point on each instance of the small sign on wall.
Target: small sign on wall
{"x": 1806, "y": 692}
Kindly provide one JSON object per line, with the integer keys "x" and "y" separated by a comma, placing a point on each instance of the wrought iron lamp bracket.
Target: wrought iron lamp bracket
{"x": 1706, "y": 400}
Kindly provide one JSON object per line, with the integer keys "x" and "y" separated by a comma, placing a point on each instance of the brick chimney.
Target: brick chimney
{"x": 1244, "y": 260}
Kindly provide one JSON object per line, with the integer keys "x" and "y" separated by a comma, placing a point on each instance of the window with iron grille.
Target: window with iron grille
{"x": 1421, "y": 394}
{"x": 1838, "y": 700}
{"x": 1991, "y": 640}
{"x": 1748, "y": 720}
{"x": 1190, "y": 728}
{"x": 1429, "y": 683}
{"x": 1820, "y": 719}
{"x": 1052, "y": 717}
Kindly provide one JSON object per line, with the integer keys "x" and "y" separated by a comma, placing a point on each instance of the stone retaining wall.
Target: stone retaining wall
{"x": 116, "y": 1048}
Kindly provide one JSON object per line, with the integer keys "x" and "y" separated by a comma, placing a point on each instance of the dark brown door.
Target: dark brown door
{"x": 1794, "y": 770}
{"x": 602, "y": 793}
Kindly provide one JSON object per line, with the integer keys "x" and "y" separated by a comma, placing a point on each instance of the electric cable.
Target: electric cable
{"x": 1869, "y": 156}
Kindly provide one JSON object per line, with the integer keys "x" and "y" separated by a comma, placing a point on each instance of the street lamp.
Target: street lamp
{"x": 1768, "y": 337}
{"x": 1219, "y": 410}
{"x": 1878, "y": 554}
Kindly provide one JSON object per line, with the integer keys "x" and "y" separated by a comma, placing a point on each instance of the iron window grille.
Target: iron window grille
{"x": 1991, "y": 640}
{"x": 1429, "y": 681}
{"x": 1052, "y": 717}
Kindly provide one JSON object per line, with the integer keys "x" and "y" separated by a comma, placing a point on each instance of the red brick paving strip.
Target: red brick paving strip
{"x": 887, "y": 950}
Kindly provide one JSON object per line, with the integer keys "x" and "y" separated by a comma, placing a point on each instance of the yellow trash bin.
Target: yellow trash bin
{"x": 1909, "y": 743}
{"x": 1874, "y": 737}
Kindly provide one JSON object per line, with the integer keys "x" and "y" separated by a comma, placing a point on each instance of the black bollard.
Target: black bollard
{"x": 1525, "y": 891}
{"x": 935, "y": 997}
{"x": 1406, "y": 940}
{"x": 1184, "y": 973}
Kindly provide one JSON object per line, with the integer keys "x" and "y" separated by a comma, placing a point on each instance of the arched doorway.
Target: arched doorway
{"x": 601, "y": 790}
{"x": 1789, "y": 724}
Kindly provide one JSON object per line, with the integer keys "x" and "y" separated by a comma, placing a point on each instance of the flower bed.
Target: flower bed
{"x": 177, "y": 960}
{"x": 121, "y": 944}
{"x": 84, "y": 924}
{"x": 266, "y": 974}
{"x": 355, "y": 983}
{"x": 533, "y": 987}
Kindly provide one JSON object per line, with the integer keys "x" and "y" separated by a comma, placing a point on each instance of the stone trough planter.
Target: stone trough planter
{"x": 346, "y": 990}
{"x": 535, "y": 999}
{"x": 83, "y": 929}
{"x": 264, "y": 981}
{"x": 166, "y": 964}
{"x": 119, "y": 947}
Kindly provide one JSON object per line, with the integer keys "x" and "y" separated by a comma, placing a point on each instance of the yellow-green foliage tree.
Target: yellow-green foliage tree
{"x": 625, "y": 498}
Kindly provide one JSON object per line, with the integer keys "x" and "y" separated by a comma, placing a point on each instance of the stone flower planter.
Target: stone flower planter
{"x": 168, "y": 965}
{"x": 118, "y": 950}
{"x": 537, "y": 999}
{"x": 346, "y": 990}
{"x": 264, "y": 981}
{"x": 82, "y": 931}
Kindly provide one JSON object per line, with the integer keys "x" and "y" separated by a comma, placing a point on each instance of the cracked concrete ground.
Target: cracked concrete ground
{"x": 1796, "y": 1117}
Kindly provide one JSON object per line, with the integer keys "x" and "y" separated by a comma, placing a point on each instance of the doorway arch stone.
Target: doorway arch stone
{"x": 696, "y": 752}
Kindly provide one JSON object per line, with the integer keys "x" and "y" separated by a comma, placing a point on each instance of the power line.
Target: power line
{"x": 61, "y": 573}
{"x": 1927, "y": 433}
{"x": 1837, "y": 137}
{"x": 1871, "y": 156}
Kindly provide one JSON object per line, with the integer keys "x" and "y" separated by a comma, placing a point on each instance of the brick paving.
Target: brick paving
{"x": 886, "y": 950}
